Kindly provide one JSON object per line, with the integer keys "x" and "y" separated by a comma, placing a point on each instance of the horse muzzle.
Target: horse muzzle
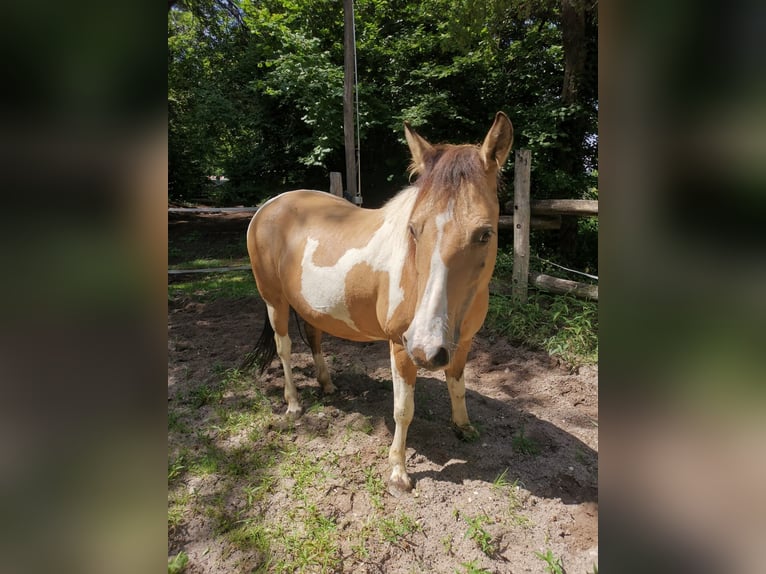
{"x": 429, "y": 356}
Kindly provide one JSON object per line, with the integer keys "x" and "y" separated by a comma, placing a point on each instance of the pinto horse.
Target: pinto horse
{"x": 415, "y": 272}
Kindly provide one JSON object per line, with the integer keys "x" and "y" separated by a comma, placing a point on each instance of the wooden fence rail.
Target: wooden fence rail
{"x": 540, "y": 214}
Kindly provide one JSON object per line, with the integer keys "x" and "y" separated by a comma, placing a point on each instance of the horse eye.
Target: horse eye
{"x": 485, "y": 236}
{"x": 412, "y": 232}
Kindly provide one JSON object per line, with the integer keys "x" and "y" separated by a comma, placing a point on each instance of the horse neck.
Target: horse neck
{"x": 395, "y": 219}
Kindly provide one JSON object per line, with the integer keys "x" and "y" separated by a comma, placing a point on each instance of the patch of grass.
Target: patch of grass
{"x": 552, "y": 564}
{"x": 472, "y": 568}
{"x": 447, "y": 544}
{"x": 176, "y": 423}
{"x": 176, "y": 467}
{"x": 561, "y": 325}
{"x": 478, "y": 534}
{"x": 257, "y": 492}
{"x": 312, "y": 545}
{"x": 514, "y": 506}
{"x": 396, "y": 527}
{"x": 177, "y": 563}
{"x": 523, "y": 444}
{"x": 232, "y": 285}
{"x": 176, "y": 511}
{"x": 210, "y": 263}
{"x": 514, "y": 502}
{"x": 316, "y": 408}
{"x": 303, "y": 470}
{"x": 205, "y": 464}
{"x": 251, "y": 535}
{"x": 359, "y": 548}
{"x": 500, "y": 481}
{"x": 202, "y": 395}
{"x": 374, "y": 485}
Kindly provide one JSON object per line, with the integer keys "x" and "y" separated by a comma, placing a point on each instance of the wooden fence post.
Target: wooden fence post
{"x": 521, "y": 216}
{"x": 336, "y": 183}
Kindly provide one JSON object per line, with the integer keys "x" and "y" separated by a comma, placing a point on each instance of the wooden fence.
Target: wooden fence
{"x": 527, "y": 214}
{"x": 539, "y": 214}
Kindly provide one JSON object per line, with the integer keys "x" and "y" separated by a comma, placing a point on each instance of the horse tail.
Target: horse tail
{"x": 264, "y": 351}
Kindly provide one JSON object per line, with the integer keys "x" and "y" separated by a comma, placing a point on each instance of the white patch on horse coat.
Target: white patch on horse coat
{"x": 324, "y": 288}
{"x": 430, "y": 322}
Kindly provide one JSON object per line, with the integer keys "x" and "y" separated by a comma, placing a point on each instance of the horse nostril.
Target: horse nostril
{"x": 441, "y": 357}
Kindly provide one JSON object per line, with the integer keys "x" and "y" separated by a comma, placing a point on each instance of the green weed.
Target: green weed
{"x": 553, "y": 564}
{"x": 175, "y": 516}
{"x": 501, "y": 481}
{"x": 250, "y": 536}
{"x": 203, "y": 395}
{"x": 523, "y": 444}
{"x": 478, "y": 534}
{"x": 394, "y": 528}
{"x": 177, "y": 563}
{"x": 447, "y": 544}
{"x": 472, "y": 568}
{"x": 515, "y": 504}
{"x": 359, "y": 548}
{"x": 257, "y": 492}
{"x": 304, "y": 471}
{"x": 375, "y": 486}
{"x": 176, "y": 467}
{"x": 313, "y": 544}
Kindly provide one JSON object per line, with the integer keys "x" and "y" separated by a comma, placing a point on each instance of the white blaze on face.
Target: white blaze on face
{"x": 324, "y": 288}
{"x": 429, "y": 326}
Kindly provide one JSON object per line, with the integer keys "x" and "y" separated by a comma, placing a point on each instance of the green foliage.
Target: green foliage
{"x": 256, "y": 92}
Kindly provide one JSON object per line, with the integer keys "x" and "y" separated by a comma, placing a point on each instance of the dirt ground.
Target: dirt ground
{"x": 516, "y": 397}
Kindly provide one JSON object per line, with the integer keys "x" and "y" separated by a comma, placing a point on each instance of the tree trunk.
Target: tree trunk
{"x": 574, "y": 126}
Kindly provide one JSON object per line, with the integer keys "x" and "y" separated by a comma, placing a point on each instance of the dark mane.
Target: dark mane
{"x": 447, "y": 169}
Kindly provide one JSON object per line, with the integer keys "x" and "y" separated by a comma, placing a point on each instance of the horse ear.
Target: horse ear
{"x": 497, "y": 144}
{"x": 419, "y": 148}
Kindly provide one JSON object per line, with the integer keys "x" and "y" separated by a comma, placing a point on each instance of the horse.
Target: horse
{"x": 414, "y": 272}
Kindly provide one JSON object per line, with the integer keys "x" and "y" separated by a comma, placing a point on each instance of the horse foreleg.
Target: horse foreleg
{"x": 279, "y": 320}
{"x": 403, "y": 374}
{"x": 455, "y": 375}
{"x": 314, "y": 336}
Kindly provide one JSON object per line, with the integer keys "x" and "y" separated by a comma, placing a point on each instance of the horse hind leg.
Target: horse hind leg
{"x": 314, "y": 337}
{"x": 279, "y": 318}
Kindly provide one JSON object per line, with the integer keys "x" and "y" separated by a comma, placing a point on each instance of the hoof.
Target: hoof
{"x": 294, "y": 411}
{"x": 399, "y": 485}
{"x": 466, "y": 433}
{"x": 329, "y": 389}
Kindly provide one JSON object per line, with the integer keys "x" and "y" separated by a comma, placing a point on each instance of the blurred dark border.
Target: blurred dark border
{"x": 683, "y": 212}
{"x": 83, "y": 156}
